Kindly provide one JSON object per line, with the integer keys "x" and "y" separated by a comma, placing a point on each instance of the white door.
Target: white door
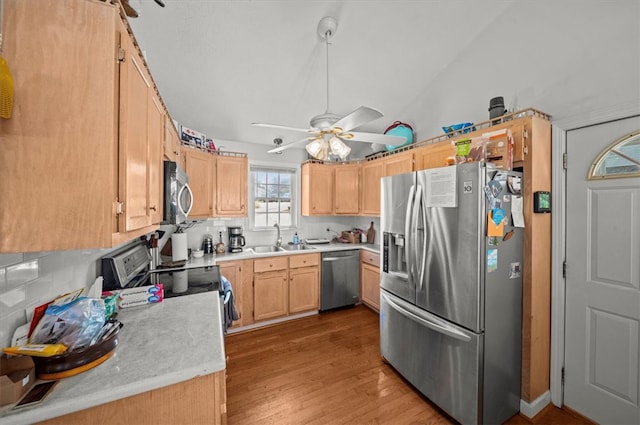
{"x": 602, "y": 351}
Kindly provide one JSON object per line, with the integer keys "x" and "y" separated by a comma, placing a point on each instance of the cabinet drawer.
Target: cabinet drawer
{"x": 370, "y": 258}
{"x": 304, "y": 260}
{"x": 269, "y": 264}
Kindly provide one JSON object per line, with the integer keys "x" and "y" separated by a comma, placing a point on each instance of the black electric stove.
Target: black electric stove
{"x": 129, "y": 267}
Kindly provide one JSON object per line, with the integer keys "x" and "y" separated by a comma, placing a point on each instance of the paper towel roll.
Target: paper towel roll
{"x": 179, "y": 246}
{"x": 180, "y": 282}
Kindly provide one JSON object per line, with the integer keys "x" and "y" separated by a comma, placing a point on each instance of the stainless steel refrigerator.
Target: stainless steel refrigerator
{"x": 451, "y": 287}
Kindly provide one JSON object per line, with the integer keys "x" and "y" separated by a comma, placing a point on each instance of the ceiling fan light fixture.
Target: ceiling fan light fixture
{"x": 327, "y": 125}
{"x": 338, "y": 147}
{"x": 318, "y": 149}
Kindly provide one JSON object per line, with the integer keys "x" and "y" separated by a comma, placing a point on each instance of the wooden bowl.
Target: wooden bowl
{"x": 77, "y": 361}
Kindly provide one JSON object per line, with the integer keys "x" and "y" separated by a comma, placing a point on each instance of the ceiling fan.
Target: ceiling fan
{"x": 328, "y": 130}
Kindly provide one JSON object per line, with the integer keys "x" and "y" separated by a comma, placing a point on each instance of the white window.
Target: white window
{"x": 619, "y": 159}
{"x": 272, "y": 197}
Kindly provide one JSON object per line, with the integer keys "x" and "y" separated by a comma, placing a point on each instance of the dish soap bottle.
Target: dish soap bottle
{"x": 296, "y": 239}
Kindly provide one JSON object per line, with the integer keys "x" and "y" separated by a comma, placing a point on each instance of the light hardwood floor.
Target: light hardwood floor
{"x": 327, "y": 369}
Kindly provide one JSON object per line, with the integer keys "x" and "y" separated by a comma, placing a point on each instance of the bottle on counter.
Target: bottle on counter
{"x": 371, "y": 234}
{"x": 296, "y": 239}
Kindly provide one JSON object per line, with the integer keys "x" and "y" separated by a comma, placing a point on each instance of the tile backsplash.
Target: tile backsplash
{"x": 308, "y": 227}
{"x": 30, "y": 279}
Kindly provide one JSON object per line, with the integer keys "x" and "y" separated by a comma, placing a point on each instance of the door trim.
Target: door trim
{"x": 558, "y": 253}
{"x": 559, "y": 130}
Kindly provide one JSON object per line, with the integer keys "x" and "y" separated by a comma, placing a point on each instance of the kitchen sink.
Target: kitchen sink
{"x": 265, "y": 248}
{"x": 299, "y": 247}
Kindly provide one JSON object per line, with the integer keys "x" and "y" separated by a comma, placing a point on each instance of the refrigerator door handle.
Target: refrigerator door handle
{"x": 438, "y": 326}
{"x": 407, "y": 231}
{"x": 414, "y": 233}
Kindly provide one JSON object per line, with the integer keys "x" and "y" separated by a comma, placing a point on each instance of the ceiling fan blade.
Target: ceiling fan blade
{"x": 385, "y": 139}
{"x": 283, "y": 127}
{"x": 289, "y": 145}
{"x": 359, "y": 117}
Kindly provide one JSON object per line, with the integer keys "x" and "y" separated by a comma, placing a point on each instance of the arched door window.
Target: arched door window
{"x": 619, "y": 159}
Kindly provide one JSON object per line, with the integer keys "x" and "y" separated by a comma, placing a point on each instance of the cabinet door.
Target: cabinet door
{"x": 156, "y": 170}
{"x": 171, "y": 140}
{"x": 398, "y": 163}
{"x": 135, "y": 92}
{"x": 233, "y": 272}
{"x": 231, "y": 186}
{"x": 304, "y": 289}
{"x": 58, "y": 166}
{"x": 370, "y": 188}
{"x": 199, "y": 167}
{"x": 317, "y": 189}
{"x": 370, "y": 285}
{"x": 434, "y": 155}
{"x": 346, "y": 183}
{"x": 370, "y": 278}
{"x": 270, "y": 295}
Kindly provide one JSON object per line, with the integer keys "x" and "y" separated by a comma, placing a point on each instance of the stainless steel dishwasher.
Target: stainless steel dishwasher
{"x": 340, "y": 279}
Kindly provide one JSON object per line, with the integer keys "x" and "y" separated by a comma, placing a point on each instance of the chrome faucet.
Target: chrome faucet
{"x": 279, "y": 239}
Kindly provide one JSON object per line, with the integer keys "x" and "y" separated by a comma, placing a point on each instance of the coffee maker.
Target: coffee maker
{"x": 236, "y": 240}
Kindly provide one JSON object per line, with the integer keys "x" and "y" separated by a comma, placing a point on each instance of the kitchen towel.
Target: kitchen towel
{"x": 179, "y": 246}
{"x": 230, "y": 313}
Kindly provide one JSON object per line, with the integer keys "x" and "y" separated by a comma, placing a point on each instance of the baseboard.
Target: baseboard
{"x": 271, "y": 322}
{"x": 530, "y": 409}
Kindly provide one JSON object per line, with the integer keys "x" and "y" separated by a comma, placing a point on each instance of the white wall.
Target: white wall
{"x": 571, "y": 59}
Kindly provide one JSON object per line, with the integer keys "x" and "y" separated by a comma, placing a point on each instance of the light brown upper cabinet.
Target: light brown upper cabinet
{"x": 317, "y": 189}
{"x": 346, "y": 189}
{"x": 218, "y": 182}
{"x": 80, "y": 157}
{"x": 330, "y": 189}
{"x": 433, "y": 155}
{"x": 171, "y": 141}
{"x": 141, "y": 117}
{"x": 231, "y": 186}
{"x": 200, "y": 167}
{"x": 371, "y": 173}
{"x": 398, "y": 163}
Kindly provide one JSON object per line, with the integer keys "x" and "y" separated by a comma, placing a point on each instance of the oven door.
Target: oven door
{"x": 187, "y": 281}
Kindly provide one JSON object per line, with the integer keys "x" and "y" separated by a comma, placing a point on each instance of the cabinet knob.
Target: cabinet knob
{"x": 152, "y": 208}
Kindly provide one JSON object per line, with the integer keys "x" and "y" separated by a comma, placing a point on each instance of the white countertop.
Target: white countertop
{"x": 212, "y": 259}
{"x": 160, "y": 344}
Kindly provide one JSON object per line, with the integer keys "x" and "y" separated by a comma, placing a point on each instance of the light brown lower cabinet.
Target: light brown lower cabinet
{"x": 284, "y": 285}
{"x": 304, "y": 283}
{"x": 240, "y": 274}
{"x": 201, "y": 400}
{"x": 270, "y": 295}
{"x": 370, "y": 279}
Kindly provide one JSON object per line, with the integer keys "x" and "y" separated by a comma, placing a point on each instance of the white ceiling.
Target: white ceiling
{"x": 221, "y": 65}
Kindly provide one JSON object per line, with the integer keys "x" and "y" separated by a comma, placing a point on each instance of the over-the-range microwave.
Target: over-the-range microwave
{"x": 178, "y": 197}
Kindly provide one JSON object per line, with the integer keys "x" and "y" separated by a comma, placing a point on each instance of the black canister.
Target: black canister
{"x": 496, "y": 107}
{"x": 207, "y": 244}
